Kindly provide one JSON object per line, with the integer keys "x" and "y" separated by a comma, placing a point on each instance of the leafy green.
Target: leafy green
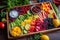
{"x": 17, "y": 21}
{"x": 25, "y": 2}
{"x": 21, "y": 17}
{"x": 56, "y": 10}
{"x": 35, "y": 37}
{"x": 2, "y": 6}
{"x": 12, "y": 3}
{"x": 9, "y": 4}
{"x": 2, "y": 14}
{"x": 12, "y": 24}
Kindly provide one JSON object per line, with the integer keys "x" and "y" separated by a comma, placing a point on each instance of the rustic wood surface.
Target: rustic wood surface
{"x": 53, "y": 35}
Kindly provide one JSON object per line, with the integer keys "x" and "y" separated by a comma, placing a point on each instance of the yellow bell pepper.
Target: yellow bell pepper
{"x": 50, "y": 16}
{"x": 27, "y": 21}
{"x": 16, "y": 31}
{"x": 23, "y": 23}
{"x": 36, "y": 16}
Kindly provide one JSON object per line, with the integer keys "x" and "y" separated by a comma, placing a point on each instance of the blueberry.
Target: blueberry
{"x": 50, "y": 27}
{"x": 45, "y": 20}
{"x": 50, "y": 19}
{"x": 50, "y": 24}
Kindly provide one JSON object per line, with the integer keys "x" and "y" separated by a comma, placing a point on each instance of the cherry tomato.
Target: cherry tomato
{"x": 32, "y": 28}
{"x": 33, "y": 23}
{"x": 2, "y": 25}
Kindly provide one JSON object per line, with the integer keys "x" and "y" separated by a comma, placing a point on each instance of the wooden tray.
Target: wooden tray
{"x": 28, "y": 33}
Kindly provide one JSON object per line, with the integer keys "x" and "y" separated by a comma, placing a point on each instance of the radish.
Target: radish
{"x": 38, "y": 24}
{"x": 38, "y": 27}
{"x": 37, "y": 30}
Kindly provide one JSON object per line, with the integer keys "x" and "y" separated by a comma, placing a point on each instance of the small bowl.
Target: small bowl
{"x": 13, "y": 14}
{"x": 35, "y": 9}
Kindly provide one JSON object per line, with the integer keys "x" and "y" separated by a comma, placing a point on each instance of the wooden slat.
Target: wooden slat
{"x": 45, "y": 31}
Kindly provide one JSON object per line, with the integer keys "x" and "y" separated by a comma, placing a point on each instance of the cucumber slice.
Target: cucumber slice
{"x": 24, "y": 31}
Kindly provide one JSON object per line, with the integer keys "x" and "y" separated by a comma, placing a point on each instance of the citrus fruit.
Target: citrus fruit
{"x": 44, "y": 37}
{"x": 56, "y": 22}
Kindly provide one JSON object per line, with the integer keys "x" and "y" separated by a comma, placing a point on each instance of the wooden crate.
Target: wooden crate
{"x": 28, "y": 33}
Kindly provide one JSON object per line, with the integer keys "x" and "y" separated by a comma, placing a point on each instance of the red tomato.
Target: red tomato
{"x": 2, "y": 25}
{"x": 32, "y": 28}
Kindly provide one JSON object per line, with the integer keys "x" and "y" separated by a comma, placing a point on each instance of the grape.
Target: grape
{"x": 50, "y": 23}
{"x": 50, "y": 26}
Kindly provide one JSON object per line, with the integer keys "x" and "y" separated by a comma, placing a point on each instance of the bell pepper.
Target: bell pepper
{"x": 16, "y": 31}
{"x": 28, "y": 21}
{"x": 23, "y": 23}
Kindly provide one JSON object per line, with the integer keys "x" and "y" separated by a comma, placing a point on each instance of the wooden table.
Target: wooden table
{"x": 53, "y": 35}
